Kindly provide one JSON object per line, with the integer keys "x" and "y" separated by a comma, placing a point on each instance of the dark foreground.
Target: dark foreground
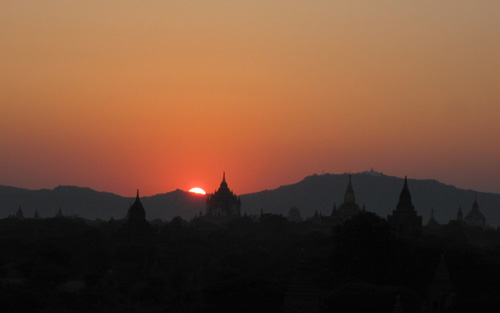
{"x": 264, "y": 264}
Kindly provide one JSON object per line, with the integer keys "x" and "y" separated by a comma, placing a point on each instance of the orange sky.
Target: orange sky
{"x": 161, "y": 95}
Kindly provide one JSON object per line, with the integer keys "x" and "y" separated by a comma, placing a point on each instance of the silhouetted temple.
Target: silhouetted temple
{"x": 404, "y": 220}
{"x": 334, "y": 210}
{"x": 223, "y": 202}
{"x": 349, "y": 208}
{"x": 136, "y": 228}
{"x": 440, "y": 294}
{"x": 475, "y": 217}
{"x": 19, "y": 214}
{"x": 134, "y": 239}
{"x": 136, "y": 213}
{"x": 432, "y": 221}
{"x": 59, "y": 213}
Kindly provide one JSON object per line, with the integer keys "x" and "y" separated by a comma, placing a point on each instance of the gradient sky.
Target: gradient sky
{"x": 159, "y": 95}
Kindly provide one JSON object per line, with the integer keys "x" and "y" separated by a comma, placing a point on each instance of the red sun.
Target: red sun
{"x": 197, "y": 191}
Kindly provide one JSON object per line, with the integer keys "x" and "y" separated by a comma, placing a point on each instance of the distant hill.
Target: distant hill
{"x": 91, "y": 204}
{"x": 378, "y": 192}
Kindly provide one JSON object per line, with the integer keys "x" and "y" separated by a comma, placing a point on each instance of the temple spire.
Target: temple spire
{"x": 334, "y": 211}
{"x": 405, "y": 196}
{"x": 223, "y": 184}
{"x": 475, "y": 217}
{"x": 223, "y": 202}
{"x": 20, "y": 214}
{"x": 349, "y": 196}
{"x": 404, "y": 220}
{"x": 136, "y": 212}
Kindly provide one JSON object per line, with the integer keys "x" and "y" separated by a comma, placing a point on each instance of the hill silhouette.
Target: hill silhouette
{"x": 91, "y": 204}
{"x": 378, "y": 192}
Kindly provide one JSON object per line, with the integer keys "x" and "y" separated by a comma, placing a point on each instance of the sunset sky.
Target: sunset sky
{"x": 160, "y": 95}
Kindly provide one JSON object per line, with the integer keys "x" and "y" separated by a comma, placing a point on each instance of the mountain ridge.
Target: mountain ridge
{"x": 379, "y": 192}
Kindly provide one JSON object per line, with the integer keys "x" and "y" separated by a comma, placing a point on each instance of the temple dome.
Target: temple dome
{"x": 475, "y": 217}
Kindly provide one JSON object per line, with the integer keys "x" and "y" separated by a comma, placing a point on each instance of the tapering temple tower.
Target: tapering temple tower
{"x": 349, "y": 208}
{"x": 59, "y": 213}
{"x": 334, "y": 210}
{"x": 432, "y": 220}
{"x": 36, "y": 216}
{"x": 441, "y": 294}
{"x": 404, "y": 220}
{"x": 136, "y": 213}
{"x": 475, "y": 217}
{"x": 19, "y": 214}
{"x": 223, "y": 202}
{"x": 349, "y": 197}
{"x": 136, "y": 230}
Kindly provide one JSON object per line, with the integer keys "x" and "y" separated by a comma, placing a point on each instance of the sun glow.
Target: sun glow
{"x": 197, "y": 190}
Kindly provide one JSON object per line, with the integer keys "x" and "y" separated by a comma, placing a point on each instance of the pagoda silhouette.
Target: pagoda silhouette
{"x": 349, "y": 207}
{"x": 223, "y": 202}
{"x": 404, "y": 220}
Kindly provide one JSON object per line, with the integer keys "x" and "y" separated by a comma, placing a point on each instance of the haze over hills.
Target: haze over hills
{"x": 378, "y": 192}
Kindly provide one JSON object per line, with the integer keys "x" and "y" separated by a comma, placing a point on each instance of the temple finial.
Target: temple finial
{"x": 224, "y": 176}
{"x": 137, "y": 193}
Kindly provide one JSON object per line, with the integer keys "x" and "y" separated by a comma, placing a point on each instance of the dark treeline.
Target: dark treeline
{"x": 243, "y": 265}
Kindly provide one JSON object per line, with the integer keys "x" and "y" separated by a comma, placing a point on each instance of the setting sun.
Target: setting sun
{"x": 197, "y": 190}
